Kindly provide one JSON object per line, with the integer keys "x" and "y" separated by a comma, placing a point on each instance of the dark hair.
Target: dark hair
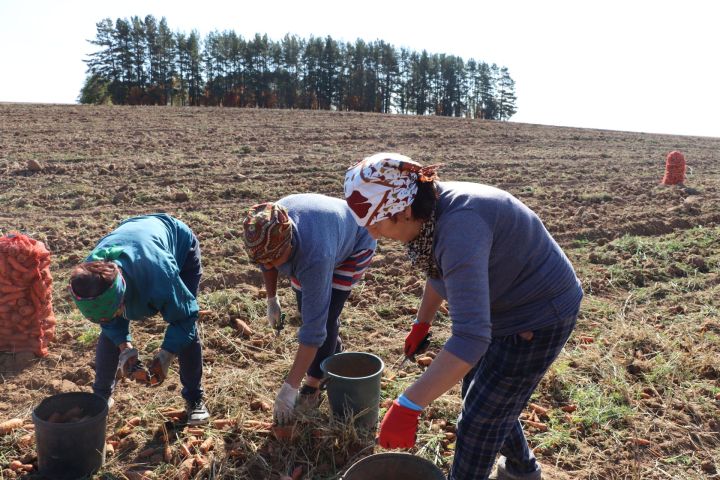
{"x": 425, "y": 200}
{"x": 91, "y": 279}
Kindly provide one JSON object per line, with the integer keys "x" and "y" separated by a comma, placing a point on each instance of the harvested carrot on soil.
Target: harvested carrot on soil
{"x": 537, "y": 425}
{"x": 538, "y": 409}
{"x": 10, "y": 425}
{"x": 224, "y": 422}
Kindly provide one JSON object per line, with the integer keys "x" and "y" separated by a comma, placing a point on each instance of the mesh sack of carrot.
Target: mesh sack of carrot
{"x": 27, "y": 321}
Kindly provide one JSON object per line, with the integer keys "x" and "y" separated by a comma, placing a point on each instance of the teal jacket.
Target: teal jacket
{"x": 154, "y": 249}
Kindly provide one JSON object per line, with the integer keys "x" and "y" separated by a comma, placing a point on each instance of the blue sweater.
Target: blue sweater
{"x": 154, "y": 250}
{"x": 324, "y": 234}
{"x": 501, "y": 271}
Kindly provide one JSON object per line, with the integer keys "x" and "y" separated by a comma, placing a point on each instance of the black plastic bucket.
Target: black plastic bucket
{"x": 74, "y": 449}
{"x": 393, "y": 466}
{"x": 353, "y": 386}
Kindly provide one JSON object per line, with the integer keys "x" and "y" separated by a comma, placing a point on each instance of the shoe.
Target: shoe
{"x": 197, "y": 413}
{"x": 309, "y": 398}
{"x": 504, "y": 474}
{"x": 110, "y": 402}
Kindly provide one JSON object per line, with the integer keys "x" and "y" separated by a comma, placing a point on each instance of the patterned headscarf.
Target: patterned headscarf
{"x": 104, "y": 306}
{"x": 267, "y": 231}
{"x": 382, "y": 185}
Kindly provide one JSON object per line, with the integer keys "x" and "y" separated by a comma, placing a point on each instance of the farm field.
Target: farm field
{"x": 635, "y": 395}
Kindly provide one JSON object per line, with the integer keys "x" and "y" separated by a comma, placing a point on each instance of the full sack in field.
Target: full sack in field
{"x": 27, "y": 321}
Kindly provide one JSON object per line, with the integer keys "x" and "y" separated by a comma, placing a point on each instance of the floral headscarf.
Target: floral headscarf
{"x": 267, "y": 231}
{"x": 382, "y": 185}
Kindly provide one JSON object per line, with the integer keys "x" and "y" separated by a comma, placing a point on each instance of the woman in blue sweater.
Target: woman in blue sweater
{"x": 149, "y": 264}
{"x": 315, "y": 241}
{"x": 513, "y": 301}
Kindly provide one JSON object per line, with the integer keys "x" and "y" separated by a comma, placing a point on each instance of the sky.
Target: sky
{"x": 633, "y": 65}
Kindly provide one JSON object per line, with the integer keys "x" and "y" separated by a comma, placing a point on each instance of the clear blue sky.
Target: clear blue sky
{"x": 637, "y": 65}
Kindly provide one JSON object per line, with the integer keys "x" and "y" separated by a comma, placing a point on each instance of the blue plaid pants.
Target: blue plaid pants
{"x": 495, "y": 392}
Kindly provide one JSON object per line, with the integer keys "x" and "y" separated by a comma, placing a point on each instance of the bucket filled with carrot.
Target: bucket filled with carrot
{"x": 70, "y": 434}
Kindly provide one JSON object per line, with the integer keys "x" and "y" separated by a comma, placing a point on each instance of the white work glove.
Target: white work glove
{"x": 273, "y": 312}
{"x": 283, "y": 410}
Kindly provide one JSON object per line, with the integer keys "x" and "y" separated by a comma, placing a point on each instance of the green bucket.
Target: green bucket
{"x": 353, "y": 387}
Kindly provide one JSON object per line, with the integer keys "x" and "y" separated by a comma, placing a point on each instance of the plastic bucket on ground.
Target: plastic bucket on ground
{"x": 353, "y": 386}
{"x": 393, "y": 466}
{"x": 74, "y": 449}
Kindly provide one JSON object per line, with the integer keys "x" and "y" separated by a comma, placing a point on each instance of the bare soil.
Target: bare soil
{"x": 636, "y": 394}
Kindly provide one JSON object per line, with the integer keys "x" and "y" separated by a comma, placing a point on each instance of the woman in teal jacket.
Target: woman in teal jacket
{"x": 148, "y": 265}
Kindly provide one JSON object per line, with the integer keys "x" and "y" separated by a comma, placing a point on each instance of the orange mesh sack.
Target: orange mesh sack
{"x": 27, "y": 322}
{"x": 674, "y": 168}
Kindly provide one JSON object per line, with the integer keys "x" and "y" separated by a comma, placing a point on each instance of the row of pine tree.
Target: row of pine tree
{"x": 143, "y": 62}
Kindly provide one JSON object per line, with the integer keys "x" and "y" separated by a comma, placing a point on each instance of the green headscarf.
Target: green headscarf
{"x": 104, "y": 306}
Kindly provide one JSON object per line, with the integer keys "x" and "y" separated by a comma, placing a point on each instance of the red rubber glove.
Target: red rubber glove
{"x": 415, "y": 338}
{"x": 398, "y": 427}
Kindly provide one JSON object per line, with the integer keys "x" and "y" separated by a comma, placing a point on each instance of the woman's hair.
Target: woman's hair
{"x": 425, "y": 200}
{"x": 91, "y": 279}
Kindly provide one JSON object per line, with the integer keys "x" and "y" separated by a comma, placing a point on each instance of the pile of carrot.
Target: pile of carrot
{"x": 27, "y": 322}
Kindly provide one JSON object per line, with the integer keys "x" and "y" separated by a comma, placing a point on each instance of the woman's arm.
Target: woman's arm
{"x": 442, "y": 374}
{"x": 303, "y": 358}
{"x": 431, "y": 301}
{"x": 270, "y": 278}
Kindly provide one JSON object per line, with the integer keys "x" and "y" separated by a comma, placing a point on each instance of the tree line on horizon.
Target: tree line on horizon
{"x": 143, "y": 62}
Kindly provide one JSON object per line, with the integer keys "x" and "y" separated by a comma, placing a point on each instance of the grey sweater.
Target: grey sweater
{"x": 501, "y": 271}
{"x": 324, "y": 235}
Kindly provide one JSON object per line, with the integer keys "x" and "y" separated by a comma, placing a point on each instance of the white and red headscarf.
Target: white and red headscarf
{"x": 382, "y": 185}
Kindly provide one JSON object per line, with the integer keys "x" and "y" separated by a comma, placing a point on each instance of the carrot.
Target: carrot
{"x": 17, "y": 265}
{"x": 11, "y": 298}
{"x": 640, "y": 442}
{"x": 4, "y": 288}
{"x": 256, "y": 425}
{"x": 537, "y": 425}
{"x": 148, "y": 452}
{"x": 184, "y": 450}
{"x": 207, "y": 445}
{"x": 186, "y": 468}
{"x": 242, "y": 327}
{"x": 10, "y": 425}
{"x": 26, "y": 440}
{"x": 223, "y": 422}
{"x": 569, "y": 408}
{"x": 297, "y": 473}
{"x": 167, "y": 454}
{"x": 178, "y": 412}
{"x": 424, "y": 361}
{"x": 134, "y": 421}
{"x": 538, "y": 409}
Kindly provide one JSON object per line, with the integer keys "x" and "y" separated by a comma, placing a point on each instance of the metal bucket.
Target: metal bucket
{"x": 393, "y": 466}
{"x": 353, "y": 386}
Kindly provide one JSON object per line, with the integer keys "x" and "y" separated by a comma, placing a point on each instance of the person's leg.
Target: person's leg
{"x": 332, "y": 326}
{"x": 106, "y": 361}
{"x": 190, "y": 358}
{"x": 501, "y": 386}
